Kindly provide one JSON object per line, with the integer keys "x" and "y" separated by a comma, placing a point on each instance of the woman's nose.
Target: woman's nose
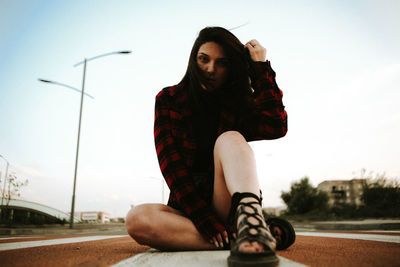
{"x": 211, "y": 67}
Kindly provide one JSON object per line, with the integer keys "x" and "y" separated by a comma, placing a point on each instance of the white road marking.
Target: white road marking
{"x": 370, "y": 237}
{"x": 383, "y": 231}
{"x": 59, "y": 241}
{"x": 213, "y": 258}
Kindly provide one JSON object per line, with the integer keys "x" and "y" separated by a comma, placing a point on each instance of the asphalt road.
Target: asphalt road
{"x": 311, "y": 249}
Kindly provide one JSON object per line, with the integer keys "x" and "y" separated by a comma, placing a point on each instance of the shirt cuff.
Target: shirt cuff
{"x": 260, "y": 68}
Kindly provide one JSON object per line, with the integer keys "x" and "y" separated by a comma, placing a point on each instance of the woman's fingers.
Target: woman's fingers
{"x": 253, "y": 43}
{"x": 256, "y": 50}
{"x": 215, "y": 242}
{"x": 225, "y": 236}
{"x": 219, "y": 239}
{"x": 250, "y": 48}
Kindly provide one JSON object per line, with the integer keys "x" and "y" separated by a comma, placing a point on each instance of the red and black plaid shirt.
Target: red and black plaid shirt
{"x": 176, "y": 144}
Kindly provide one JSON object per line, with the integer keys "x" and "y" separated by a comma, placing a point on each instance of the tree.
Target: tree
{"x": 13, "y": 189}
{"x": 381, "y": 197}
{"x": 304, "y": 198}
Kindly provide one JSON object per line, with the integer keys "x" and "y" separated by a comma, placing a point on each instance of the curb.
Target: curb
{"x": 346, "y": 226}
{"x": 120, "y": 229}
{"x": 80, "y": 230}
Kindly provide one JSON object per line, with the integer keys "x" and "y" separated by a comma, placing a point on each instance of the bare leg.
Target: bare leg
{"x": 235, "y": 171}
{"x": 162, "y": 227}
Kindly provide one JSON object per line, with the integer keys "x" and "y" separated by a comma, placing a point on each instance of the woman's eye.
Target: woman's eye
{"x": 203, "y": 59}
{"x": 223, "y": 63}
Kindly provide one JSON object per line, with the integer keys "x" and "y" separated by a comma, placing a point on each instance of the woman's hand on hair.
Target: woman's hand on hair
{"x": 256, "y": 50}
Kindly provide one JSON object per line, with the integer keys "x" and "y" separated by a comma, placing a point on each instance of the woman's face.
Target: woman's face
{"x": 213, "y": 63}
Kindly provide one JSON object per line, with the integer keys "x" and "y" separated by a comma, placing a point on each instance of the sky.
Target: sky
{"x": 337, "y": 63}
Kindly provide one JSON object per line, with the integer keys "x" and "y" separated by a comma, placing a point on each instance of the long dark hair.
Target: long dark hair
{"x": 236, "y": 93}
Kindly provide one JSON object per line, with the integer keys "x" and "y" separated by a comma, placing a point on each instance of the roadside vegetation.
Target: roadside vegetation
{"x": 380, "y": 199}
{"x": 13, "y": 190}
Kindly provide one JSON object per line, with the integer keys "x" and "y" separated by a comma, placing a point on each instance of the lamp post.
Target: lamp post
{"x": 5, "y": 181}
{"x": 64, "y": 85}
{"x": 71, "y": 220}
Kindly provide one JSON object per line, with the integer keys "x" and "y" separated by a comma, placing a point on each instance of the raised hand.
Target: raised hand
{"x": 256, "y": 50}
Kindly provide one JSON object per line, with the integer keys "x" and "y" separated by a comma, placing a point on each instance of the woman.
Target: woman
{"x": 227, "y": 98}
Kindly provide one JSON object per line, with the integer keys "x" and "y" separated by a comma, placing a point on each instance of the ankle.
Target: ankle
{"x": 238, "y": 199}
{"x": 249, "y": 199}
{"x": 249, "y": 213}
{"x": 253, "y": 202}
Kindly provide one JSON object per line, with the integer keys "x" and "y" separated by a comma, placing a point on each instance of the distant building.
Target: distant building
{"x": 93, "y": 216}
{"x": 118, "y": 220}
{"x": 273, "y": 211}
{"x": 25, "y": 212}
{"x": 343, "y": 191}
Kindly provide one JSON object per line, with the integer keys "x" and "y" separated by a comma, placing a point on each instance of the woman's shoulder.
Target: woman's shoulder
{"x": 176, "y": 93}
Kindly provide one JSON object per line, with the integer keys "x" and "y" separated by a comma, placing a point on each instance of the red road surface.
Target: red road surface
{"x": 308, "y": 250}
{"x": 322, "y": 251}
{"x": 92, "y": 253}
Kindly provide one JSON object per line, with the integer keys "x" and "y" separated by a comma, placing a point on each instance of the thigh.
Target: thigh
{"x": 149, "y": 212}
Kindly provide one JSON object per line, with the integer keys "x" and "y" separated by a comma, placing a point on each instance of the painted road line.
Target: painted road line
{"x": 380, "y": 238}
{"x": 30, "y": 244}
{"x": 384, "y": 231}
{"x": 213, "y": 258}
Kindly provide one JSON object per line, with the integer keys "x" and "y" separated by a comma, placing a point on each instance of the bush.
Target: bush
{"x": 345, "y": 211}
{"x": 381, "y": 198}
{"x": 303, "y": 198}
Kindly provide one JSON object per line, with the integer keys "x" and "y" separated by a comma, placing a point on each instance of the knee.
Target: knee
{"x": 231, "y": 139}
{"x": 138, "y": 223}
{"x": 230, "y": 136}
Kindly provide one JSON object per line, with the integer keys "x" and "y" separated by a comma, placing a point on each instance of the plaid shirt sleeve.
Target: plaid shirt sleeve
{"x": 268, "y": 119}
{"x": 177, "y": 174}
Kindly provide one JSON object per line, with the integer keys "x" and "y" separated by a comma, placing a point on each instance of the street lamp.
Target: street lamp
{"x": 80, "y": 114}
{"x": 64, "y": 85}
{"x": 103, "y": 55}
{"x": 71, "y": 220}
{"x": 240, "y": 26}
{"x": 5, "y": 179}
